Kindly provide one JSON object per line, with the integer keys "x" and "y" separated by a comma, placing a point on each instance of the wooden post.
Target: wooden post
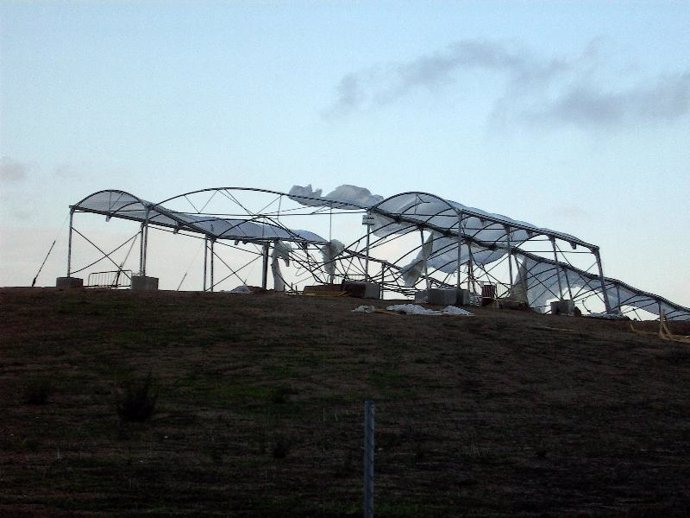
{"x": 369, "y": 423}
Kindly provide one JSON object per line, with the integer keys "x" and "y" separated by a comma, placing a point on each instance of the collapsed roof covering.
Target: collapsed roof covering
{"x": 120, "y": 204}
{"x": 455, "y": 245}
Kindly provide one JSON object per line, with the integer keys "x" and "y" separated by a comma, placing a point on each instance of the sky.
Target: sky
{"x": 573, "y": 116}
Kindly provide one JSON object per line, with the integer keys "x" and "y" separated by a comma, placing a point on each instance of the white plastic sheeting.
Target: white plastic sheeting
{"x": 483, "y": 237}
{"x": 280, "y": 251}
{"x": 416, "y": 309}
{"x": 119, "y": 204}
{"x": 330, "y": 252}
{"x": 349, "y": 197}
{"x": 540, "y": 278}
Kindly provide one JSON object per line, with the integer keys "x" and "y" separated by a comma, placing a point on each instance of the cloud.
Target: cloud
{"x": 12, "y": 171}
{"x": 667, "y": 99}
{"x": 535, "y": 89}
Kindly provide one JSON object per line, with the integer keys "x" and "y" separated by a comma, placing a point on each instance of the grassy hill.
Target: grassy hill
{"x": 259, "y": 409}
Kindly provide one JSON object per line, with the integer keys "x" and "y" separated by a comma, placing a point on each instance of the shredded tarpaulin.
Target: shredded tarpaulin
{"x": 414, "y": 309}
{"x": 242, "y": 290}
{"x": 364, "y": 309}
{"x": 456, "y": 311}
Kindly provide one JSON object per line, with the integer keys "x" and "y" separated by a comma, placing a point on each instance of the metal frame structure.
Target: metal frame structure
{"x": 409, "y": 241}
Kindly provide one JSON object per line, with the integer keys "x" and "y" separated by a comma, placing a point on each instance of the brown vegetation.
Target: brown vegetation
{"x": 258, "y": 409}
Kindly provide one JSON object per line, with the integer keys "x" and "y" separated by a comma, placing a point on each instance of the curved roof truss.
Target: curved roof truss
{"x": 411, "y": 240}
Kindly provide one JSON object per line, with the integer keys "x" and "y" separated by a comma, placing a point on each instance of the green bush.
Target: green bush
{"x": 136, "y": 401}
{"x": 37, "y": 391}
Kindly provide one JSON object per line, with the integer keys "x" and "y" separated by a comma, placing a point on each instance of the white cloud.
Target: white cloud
{"x": 12, "y": 171}
{"x": 536, "y": 89}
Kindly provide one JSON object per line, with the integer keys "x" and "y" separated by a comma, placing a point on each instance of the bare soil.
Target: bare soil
{"x": 259, "y": 409}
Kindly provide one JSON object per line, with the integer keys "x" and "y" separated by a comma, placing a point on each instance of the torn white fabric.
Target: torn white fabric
{"x": 364, "y": 309}
{"x": 456, "y": 311}
{"x": 347, "y": 197}
{"x": 330, "y": 251}
{"x": 280, "y": 251}
{"x": 415, "y": 309}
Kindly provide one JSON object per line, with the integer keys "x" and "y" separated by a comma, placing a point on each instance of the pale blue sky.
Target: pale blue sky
{"x": 570, "y": 115}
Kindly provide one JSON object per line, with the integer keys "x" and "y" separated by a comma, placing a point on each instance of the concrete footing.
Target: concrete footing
{"x": 69, "y": 282}
{"x": 362, "y": 289}
{"x": 144, "y": 282}
{"x": 443, "y": 297}
{"x": 563, "y": 307}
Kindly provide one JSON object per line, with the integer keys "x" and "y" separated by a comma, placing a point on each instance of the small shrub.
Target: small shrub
{"x": 281, "y": 395}
{"x": 137, "y": 400}
{"x": 37, "y": 391}
{"x": 281, "y": 448}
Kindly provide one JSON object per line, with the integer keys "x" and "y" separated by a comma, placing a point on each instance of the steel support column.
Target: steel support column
{"x": 605, "y": 295}
{"x": 69, "y": 243}
{"x": 558, "y": 269}
{"x": 425, "y": 258}
{"x": 459, "y": 248}
{"x": 264, "y": 268}
{"x": 205, "y": 260}
{"x": 510, "y": 255}
{"x": 213, "y": 242}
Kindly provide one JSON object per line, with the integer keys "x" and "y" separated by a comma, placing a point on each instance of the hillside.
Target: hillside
{"x": 259, "y": 409}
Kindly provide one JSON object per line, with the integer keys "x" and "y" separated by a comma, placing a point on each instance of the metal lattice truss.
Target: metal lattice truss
{"x": 405, "y": 243}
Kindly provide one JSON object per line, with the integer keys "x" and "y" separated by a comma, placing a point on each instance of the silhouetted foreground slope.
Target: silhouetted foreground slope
{"x": 259, "y": 409}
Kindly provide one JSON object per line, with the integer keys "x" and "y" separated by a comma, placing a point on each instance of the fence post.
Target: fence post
{"x": 369, "y": 422}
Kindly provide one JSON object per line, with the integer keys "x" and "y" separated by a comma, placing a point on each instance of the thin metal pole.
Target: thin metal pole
{"x": 366, "y": 259}
{"x": 205, "y": 260}
{"x": 69, "y": 243}
{"x": 213, "y": 241}
{"x": 141, "y": 249}
{"x": 146, "y": 246}
{"x": 558, "y": 269}
{"x": 426, "y": 268}
{"x": 510, "y": 255}
{"x": 459, "y": 247}
{"x": 143, "y": 246}
{"x": 567, "y": 283}
{"x": 264, "y": 270}
{"x": 369, "y": 425}
{"x": 605, "y": 295}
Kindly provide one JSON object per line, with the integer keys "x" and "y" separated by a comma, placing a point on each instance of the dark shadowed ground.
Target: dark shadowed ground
{"x": 260, "y": 399}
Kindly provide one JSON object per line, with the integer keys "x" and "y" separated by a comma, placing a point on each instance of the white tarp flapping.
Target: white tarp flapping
{"x": 119, "y": 204}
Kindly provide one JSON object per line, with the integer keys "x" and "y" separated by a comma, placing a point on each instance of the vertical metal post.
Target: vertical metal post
{"x": 605, "y": 295}
{"x": 144, "y": 247}
{"x": 510, "y": 255}
{"x": 459, "y": 248}
{"x": 264, "y": 269}
{"x": 213, "y": 241}
{"x": 368, "y": 221}
{"x": 369, "y": 424}
{"x": 69, "y": 243}
{"x": 567, "y": 283}
{"x": 558, "y": 269}
{"x": 205, "y": 260}
{"x": 366, "y": 259}
{"x": 426, "y": 259}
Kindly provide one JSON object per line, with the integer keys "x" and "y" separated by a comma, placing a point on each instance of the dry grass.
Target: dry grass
{"x": 259, "y": 410}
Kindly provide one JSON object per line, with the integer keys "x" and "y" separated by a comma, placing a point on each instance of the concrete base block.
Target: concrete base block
{"x": 563, "y": 307}
{"x": 463, "y": 298}
{"x": 144, "y": 282}
{"x": 362, "y": 289}
{"x": 437, "y": 296}
{"x": 69, "y": 282}
{"x": 323, "y": 289}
